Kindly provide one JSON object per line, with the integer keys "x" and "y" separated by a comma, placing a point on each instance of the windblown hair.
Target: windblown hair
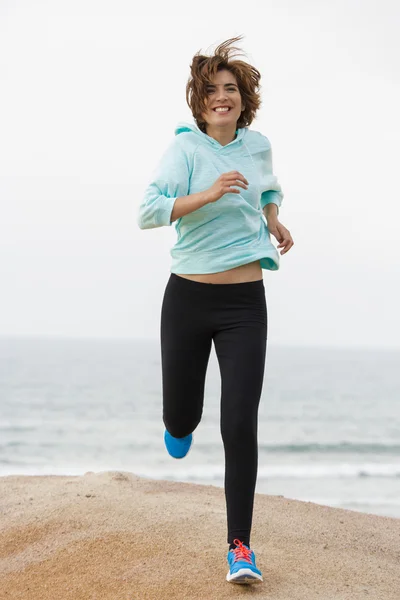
{"x": 204, "y": 68}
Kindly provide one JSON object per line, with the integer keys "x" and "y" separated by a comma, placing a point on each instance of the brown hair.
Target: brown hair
{"x": 204, "y": 68}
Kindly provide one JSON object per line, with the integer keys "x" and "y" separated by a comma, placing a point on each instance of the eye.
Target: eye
{"x": 212, "y": 90}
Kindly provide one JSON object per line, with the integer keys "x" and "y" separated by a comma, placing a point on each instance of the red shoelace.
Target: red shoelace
{"x": 241, "y": 552}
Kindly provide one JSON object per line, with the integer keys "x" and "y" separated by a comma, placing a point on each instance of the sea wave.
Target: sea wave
{"x": 334, "y": 448}
{"x": 344, "y": 447}
{"x": 205, "y": 472}
{"x": 303, "y": 471}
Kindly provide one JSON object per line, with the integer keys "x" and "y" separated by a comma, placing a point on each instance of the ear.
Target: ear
{"x": 243, "y": 107}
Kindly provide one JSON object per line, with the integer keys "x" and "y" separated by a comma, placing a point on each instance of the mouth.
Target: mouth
{"x": 222, "y": 110}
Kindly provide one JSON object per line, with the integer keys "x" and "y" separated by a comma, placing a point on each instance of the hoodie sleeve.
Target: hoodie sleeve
{"x": 271, "y": 190}
{"x": 170, "y": 180}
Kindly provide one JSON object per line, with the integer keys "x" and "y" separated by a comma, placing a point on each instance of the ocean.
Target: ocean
{"x": 329, "y": 419}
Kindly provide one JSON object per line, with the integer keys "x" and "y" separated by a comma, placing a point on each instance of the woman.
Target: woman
{"x": 215, "y": 182}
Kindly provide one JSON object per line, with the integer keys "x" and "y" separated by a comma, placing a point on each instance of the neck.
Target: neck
{"x": 223, "y": 135}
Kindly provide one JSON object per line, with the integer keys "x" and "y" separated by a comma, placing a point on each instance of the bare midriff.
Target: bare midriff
{"x": 243, "y": 274}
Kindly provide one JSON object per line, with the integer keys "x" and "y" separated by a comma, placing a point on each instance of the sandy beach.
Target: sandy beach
{"x": 116, "y": 536}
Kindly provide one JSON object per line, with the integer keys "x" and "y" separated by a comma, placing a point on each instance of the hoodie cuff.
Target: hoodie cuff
{"x": 271, "y": 197}
{"x": 165, "y": 211}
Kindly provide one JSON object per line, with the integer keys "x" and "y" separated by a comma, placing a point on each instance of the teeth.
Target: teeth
{"x": 221, "y": 109}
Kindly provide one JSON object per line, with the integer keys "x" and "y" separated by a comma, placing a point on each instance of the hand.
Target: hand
{"x": 282, "y": 235}
{"x": 223, "y": 185}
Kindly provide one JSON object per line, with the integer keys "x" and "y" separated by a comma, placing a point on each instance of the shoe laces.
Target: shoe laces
{"x": 241, "y": 552}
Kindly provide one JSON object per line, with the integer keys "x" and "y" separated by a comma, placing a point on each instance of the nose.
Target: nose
{"x": 221, "y": 93}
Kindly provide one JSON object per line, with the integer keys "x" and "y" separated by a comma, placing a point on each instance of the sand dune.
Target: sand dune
{"x": 116, "y": 536}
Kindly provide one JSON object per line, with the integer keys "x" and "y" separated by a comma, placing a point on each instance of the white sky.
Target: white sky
{"x": 90, "y": 93}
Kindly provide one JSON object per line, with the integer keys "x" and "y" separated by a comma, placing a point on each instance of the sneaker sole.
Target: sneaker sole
{"x": 244, "y": 576}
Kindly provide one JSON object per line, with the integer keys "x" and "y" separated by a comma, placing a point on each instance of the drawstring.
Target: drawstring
{"x": 255, "y": 170}
{"x": 248, "y": 152}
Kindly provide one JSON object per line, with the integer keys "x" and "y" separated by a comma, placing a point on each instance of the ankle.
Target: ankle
{"x": 232, "y": 546}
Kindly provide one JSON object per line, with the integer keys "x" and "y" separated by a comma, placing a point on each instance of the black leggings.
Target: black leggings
{"x": 234, "y": 316}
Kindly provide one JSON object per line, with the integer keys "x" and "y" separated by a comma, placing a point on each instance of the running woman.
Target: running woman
{"x": 215, "y": 182}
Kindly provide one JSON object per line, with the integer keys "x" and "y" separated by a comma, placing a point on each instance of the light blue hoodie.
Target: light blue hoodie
{"x": 229, "y": 232}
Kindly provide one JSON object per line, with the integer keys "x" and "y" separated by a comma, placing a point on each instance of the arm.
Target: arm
{"x": 170, "y": 182}
{"x": 271, "y": 212}
{"x": 187, "y": 204}
{"x": 271, "y": 199}
{"x": 227, "y": 183}
{"x": 271, "y": 191}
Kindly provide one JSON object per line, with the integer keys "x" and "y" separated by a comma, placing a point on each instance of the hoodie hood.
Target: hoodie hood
{"x": 253, "y": 141}
{"x": 206, "y": 139}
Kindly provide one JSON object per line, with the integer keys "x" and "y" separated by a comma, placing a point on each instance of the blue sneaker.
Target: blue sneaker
{"x": 177, "y": 447}
{"x": 242, "y": 565}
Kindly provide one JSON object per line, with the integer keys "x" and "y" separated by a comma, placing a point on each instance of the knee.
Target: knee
{"x": 239, "y": 431}
{"x": 179, "y": 428}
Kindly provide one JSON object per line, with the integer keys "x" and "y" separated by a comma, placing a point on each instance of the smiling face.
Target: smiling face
{"x": 224, "y": 102}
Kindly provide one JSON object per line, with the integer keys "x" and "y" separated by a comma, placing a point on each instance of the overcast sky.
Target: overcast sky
{"x": 90, "y": 94}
